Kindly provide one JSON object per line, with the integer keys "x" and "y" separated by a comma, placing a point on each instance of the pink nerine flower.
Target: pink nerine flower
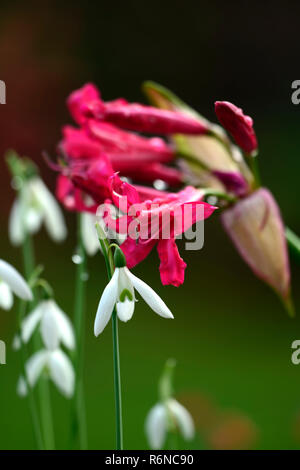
{"x": 237, "y": 124}
{"x": 156, "y": 222}
{"x": 87, "y": 103}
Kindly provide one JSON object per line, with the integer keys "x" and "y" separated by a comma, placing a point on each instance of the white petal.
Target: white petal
{"x": 35, "y": 365}
{"x": 21, "y": 387}
{"x": 15, "y": 281}
{"x": 89, "y": 233}
{"x": 30, "y": 322}
{"x": 15, "y": 225}
{"x": 33, "y": 219}
{"x": 6, "y": 297}
{"x": 16, "y": 343}
{"x": 64, "y": 326}
{"x": 183, "y": 419}
{"x": 150, "y": 296}
{"x": 62, "y": 372}
{"x": 53, "y": 216}
{"x": 106, "y": 304}
{"x": 125, "y": 309}
{"x": 156, "y": 426}
{"x": 49, "y": 325}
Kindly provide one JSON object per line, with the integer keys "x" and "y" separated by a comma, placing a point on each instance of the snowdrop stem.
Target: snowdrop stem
{"x": 43, "y": 388}
{"x": 117, "y": 382}
{"x": 252, "y": 159}
{"x": 46, "y": 413}
{"x": 107, "y": 253}
{"x": 31, "y": 401}
{"x": 79, "y": 416}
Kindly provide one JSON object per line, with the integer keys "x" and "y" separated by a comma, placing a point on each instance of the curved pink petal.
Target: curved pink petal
{"x": 172, "y": 266}
{"x": 80, "y": 97}
{"x": 237, "y": 124}
{"x": 135, "y": 252}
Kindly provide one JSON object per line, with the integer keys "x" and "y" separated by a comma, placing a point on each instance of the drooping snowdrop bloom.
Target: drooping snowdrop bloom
{"x": 89, "y": 233}
{"x": 12, "y": 282}
{"x": 55, "y": 325}
{"x": 119, "y": 293}
{"x": 166, "y": 416}
{"x": 34, "y": 206}
{"x": 58, "y": 367}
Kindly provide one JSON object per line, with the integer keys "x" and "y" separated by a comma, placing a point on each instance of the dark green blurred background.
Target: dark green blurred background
{"x": 231, "y": 336}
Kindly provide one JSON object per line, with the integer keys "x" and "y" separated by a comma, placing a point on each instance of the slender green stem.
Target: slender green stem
{"x": 31, "y": 401}
{"x": 79, "y": 430}
{"x": 117, "y": 383}
{"x": 252, "y": 159}
{"x": 46, "y": 413}
{"x": 116, "y": 355}
{"x": 43, "y": 387}
{"x": 293, "y": 242}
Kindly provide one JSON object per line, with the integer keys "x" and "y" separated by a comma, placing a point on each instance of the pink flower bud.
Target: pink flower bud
{"x": 237, "y": 124}
{"x": 136, "y": 117}
{"x": 255, "y": 226}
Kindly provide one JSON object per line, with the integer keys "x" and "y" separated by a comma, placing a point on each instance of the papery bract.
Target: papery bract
{"x": 255, "y": 226}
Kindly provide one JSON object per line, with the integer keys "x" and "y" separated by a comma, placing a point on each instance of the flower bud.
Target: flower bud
{"x": 255, "y": 226}
{"x": 237, "y": 124}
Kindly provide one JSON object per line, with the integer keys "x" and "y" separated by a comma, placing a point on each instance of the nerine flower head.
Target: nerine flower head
{"x": 156, "y": 222}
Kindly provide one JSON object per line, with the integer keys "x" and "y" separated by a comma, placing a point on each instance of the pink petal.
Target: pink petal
{"x": 136, "y": 252}
{"x": 78, "y": 98}
{"x": 237, "y": 124}
{"x": 172, "y": 266}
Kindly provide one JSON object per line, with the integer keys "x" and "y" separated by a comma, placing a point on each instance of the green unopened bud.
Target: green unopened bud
{"x": 119, "y": 258}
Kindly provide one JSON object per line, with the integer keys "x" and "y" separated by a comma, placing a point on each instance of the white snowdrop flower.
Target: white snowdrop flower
{"x": 34, "y": 206}
{"x": 167, "y": 416}
{"x": 119, "y": 292}
{"x": 89, "y": 233}
{"x": 55, "y": 325}
{"x": 12, "y": 282}
{"x": 56, "y": 364}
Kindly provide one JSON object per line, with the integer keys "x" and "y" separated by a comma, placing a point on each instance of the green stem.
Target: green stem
{"x": 31, "y": 401}
{"x": 79, "y": 430}
{"x": 116, "y": 355}
{"x": 293, "y": 242}
{"x": 252, "y": 159}
{"x": 43, "y": 388}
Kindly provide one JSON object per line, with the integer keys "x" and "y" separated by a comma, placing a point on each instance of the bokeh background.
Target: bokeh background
{"x": 231, "y": 337}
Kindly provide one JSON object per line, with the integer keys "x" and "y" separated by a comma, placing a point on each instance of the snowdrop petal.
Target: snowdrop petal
{"x": 89, "y": 234}
{"x": 15, "y": 227}
{"x": 150, "y": 296}
{"x": 22, "y": 387}
{"x": 125, "y": 309}
{"x": 35, "y": 365}
{"x": 106, "y": 304}
{"x": 53, "y": 216}
{"x": 33, "y": 220}
{"x": 29, "y": 323}
{"x": 62, "y": 372}
{"x": 156, "y": 426}
{"x": 16, "y": 343}
{"x": 15, "y": 281}
{"x": 49, "y": 326}
{"x": 65, "y": 327}
{"x": 6, "y": 297}
{"x": 183, "y": 419}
